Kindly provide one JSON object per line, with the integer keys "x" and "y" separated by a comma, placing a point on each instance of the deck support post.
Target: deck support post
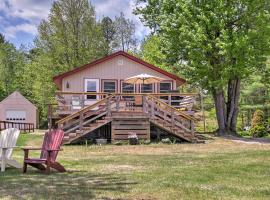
{"x": 117, "y": 103}
{"x": 172, "y": 117}
{"x": 170, "y": 99}
{"x": 152, "y": 109}
{"x": 81, "y": 121}
{"x": 108, "y": 107}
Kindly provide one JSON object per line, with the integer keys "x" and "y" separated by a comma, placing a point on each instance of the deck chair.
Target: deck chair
{"x": 50, "y": 148}
{"x": 8, "y": 139}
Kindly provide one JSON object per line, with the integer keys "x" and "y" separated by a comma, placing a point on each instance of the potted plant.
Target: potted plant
{"x": 133, "y": 138}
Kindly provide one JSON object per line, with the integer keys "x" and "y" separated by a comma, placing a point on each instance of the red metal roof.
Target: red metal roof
{"x": 58, "y": 79}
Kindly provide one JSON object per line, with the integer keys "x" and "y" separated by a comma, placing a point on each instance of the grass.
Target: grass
{"x": 220, "y": 169}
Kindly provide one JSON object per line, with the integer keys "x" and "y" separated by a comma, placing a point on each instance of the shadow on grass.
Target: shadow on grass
{"x": 69, "y": 185}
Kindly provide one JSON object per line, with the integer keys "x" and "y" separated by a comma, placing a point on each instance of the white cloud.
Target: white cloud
{"x": 11, "y": 31}
{"x": 25, "y": 15}
{"x": 30, "y": 10}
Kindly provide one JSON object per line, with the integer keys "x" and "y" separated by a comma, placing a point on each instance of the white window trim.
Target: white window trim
{"x": 85, "y": 87}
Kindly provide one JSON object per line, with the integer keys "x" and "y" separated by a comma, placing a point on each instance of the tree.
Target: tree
{"x": 71, "y": 34}
{"x": 214, "y": 43}
{"x": 124, "y": 33}
{"x": 108, "y": 30}
{"x": 151, "y": 52}
{"x": 11, "y": 65}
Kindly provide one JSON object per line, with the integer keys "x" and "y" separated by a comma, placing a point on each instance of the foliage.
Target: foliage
{"x": 124, "y": 34}
{"x": 151, "y": 52}
{"x": 258, "y": 131}
{"x": 214, "y": 43}
{"x": 69, "y": 37}
{"x": 258, "y": 126}
{"x": 258, "y": 118}
{"x": 108, "y": 30}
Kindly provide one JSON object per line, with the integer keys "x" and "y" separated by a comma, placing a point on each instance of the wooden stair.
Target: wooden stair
{"x": 170, "y": 119}
{"x": 86, "y": 120}
{"x": 71, "y": 137}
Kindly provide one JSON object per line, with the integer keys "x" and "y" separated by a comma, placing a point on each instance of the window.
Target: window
{"x": 109, "y": 86}
{"x": 127, "y": 88}
{"x": 146, "y": 88}
{"x": 91, "y": 85}
{"x": 165, "y": 87}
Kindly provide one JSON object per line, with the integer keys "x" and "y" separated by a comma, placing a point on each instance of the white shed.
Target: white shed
{"x": 17, "y": 108}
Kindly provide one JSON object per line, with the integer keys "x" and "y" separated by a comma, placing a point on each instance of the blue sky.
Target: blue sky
{"x": 19, "y": 18}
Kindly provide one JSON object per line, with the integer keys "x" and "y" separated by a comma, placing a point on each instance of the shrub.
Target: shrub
{"x": 258, "y": 118}
{"x": 258, "y": 126}
{"x": 259, "y": 131}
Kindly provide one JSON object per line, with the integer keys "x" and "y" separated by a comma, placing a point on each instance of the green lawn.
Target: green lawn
{"x": 220, "y": 169}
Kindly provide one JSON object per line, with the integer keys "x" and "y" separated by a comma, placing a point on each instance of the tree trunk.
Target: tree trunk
{"x": 227, "y": 112}
{"x": 232, "y": 103}
{"x": 219, "y": 100}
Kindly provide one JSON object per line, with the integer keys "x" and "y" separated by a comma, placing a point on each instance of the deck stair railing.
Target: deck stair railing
{"x": 169, "y": 118}
{"x": 160, "y": 113}
{"x": 87, "y": 119}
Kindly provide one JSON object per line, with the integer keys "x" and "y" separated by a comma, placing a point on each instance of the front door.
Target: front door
{"x": 91, "y": 85}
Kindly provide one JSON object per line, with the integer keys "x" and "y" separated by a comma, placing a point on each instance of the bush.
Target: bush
{"x": 258, "y": 131}
{"x": 258, "y": 118}
{"x": 258, "y": 126}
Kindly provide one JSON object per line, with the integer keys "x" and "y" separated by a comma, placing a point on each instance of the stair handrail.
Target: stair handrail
{"x": 171, "y": 107}
{"x": 83, "y": 110}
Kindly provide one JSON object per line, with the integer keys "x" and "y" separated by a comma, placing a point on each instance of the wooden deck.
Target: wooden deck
{"x": 125, "y": 114}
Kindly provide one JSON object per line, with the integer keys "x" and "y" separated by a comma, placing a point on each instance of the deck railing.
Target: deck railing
{"x": 25, "y": 127}
{"x": 69, "y": 102}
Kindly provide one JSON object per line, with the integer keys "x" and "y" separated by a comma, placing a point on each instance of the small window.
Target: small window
{"x": 109, "y": 86}
{"x": 147, "y": 88}
{"x": 165, "y": 87}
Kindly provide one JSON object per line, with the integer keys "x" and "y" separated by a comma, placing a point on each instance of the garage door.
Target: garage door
{"x": 16, "y": 115}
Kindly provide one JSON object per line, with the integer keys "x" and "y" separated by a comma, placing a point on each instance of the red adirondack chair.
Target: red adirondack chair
{"x": 50, "y": 148}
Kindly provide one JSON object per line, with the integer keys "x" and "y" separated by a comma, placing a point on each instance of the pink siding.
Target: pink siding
{"x": 16, "y": 101}
{"x": 110, "y": 69}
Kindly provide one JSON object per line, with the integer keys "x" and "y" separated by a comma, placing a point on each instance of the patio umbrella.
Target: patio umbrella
{"x": 143, "y": 79}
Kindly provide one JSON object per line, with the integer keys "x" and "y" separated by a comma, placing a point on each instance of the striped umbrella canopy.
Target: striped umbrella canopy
{"x": 143, "y": 79}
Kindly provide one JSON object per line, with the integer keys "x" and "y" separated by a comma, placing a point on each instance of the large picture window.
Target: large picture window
{"x": 109, "y": 86}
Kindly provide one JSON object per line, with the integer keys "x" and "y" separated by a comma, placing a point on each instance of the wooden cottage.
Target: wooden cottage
{"x": 18, "y": 112}
{"x": 94, "y": 100}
